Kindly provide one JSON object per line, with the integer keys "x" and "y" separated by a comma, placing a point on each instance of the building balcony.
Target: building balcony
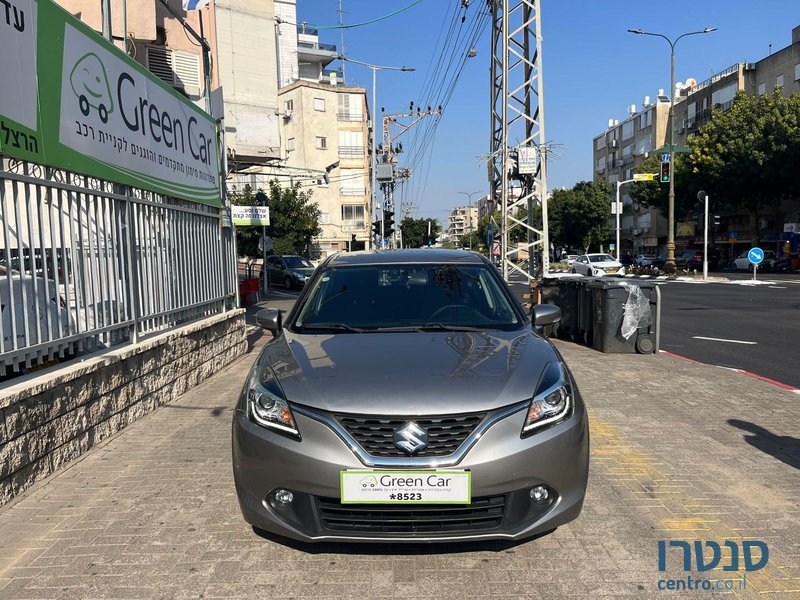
{"x": 316, "y": 52}
{"x": 351, "y": 152}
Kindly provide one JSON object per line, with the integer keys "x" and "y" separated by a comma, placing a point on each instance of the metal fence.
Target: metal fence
{"x": 86, "y": 264}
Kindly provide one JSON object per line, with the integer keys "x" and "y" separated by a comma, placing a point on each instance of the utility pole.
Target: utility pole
{"x": 390, "y": 150}
{"x": 105, "y": 9}
{"x": 517, "y": 113}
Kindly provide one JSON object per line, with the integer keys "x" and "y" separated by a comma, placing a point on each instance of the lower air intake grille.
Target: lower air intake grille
{"x": 484, "y": 514}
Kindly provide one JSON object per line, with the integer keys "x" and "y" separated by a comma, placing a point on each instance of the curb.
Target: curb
{"x": 779, "y": 384}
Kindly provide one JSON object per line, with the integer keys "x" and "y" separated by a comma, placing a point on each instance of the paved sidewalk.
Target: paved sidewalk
{"x": 679, "y": 451}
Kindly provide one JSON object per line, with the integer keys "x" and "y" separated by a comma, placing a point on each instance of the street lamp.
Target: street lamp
{"x": 375, "y": 69}
{"x": 669, "y": 265}
{"x": 470, "y": 195}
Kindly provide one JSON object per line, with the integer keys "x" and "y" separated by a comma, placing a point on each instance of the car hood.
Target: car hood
{"x": 409, "y": 373}
{"x": 607, "y": 264}
{"x": 305, "y": 271}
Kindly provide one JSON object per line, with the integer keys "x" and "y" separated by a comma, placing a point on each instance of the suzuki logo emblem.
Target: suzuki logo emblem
{"x": 411, "y": 438}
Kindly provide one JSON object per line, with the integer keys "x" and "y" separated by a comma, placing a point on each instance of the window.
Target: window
{"x": 600, "y": 165}
{"x": 627, "y": 150}
{"x": 322, "y": 143}
{"x": 179, "y": 69}
{"x": 779, "y": 81}
{"x": 290, "y": 144}
{"x": 353, "y": 216}
{"x": 762, "y": 89}
{"x": 289, "y": 105}
{"x": 351, "y": 182}
{"x": 627, "y": 129}
{"x": 351, "y": 144}
{"x": 644, "y": 145}
{"x": 797, "y": 72}
{"x": 726, "y": 94}
{"x": 600, "y": 142}
{"x": 319, "y": 104}
{"x": 646, "y": 119}
{"x": 350, "y": 107}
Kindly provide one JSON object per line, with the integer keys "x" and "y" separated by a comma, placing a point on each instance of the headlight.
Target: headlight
{"x": 552, "y": 401}
{"x": 265, "y": 405}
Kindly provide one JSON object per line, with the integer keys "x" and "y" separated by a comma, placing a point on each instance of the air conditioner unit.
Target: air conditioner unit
{"x": 613, "y": 143}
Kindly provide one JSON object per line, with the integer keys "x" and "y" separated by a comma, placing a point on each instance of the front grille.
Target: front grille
{"x": 484, "y": 514}
{"x": 376, "y": 434}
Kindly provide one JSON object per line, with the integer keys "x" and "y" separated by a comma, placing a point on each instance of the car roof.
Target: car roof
{"x": 416, "y": 255}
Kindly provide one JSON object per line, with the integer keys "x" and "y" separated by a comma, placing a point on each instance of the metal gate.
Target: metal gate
{"x": 86, "y": 264}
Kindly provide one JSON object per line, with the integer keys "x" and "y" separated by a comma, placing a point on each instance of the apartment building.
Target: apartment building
{"x": 325, "y": 133}
{"x": 461, "y": 221}
{"x": 617, "y": 152}
{"x": 644, "y": 230}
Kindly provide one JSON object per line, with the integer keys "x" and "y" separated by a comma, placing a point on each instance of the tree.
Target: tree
{"x": 414, "y": 231}
{"x": 294, "y": 220}
{"x": 580, "y": 217}
{"x": 747, "y": 156}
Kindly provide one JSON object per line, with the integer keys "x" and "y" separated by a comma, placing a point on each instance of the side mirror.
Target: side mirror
{"x": 271, "y": 320}
{"x": 545, "y": 317}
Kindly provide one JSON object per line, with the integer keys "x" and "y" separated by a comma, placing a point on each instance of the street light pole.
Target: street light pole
{"x": 374, "y": 157}
{"x": 469, "y": 209}
{"x": 669, "y": 265}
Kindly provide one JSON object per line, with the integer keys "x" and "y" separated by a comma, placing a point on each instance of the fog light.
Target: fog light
{"x": 539, "y": 494}
{"x": 283, "y": 497}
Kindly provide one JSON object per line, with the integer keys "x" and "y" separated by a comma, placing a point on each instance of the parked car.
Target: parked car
{"x": 597, "y": 265}
{"x": 742, "y": 263}
{"x": 626, "y": 260}
{"x": 659, "y": 261}
{"x": 333, "y": 441}
{"x": 288, "y": 271}
{"x": 570, "y": 258}
{"x": 645, "y": 260}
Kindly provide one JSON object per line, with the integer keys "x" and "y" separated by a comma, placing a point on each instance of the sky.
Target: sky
{"x": 593, "y": 70}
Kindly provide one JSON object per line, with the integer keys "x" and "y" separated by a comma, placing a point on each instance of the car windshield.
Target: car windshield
{"x": 297, "y": 262}
{"x": 600, "y": 258}
{"x": 411, "y": 297}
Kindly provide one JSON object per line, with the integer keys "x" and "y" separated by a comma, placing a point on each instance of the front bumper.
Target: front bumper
{"x": 504, "y": 468}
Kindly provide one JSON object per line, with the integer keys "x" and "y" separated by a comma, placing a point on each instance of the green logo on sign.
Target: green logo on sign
{"x": 90, "y": 84}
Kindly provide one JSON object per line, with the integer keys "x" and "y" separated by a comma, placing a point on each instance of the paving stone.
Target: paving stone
{"x": 150, "y": 511}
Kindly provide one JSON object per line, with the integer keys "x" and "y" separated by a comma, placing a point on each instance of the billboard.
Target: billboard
{"x": 79, "y": 103}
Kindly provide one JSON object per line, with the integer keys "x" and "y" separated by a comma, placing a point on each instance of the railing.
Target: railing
{"x": 351, "y": 152}
{"x": 347, "y": 116}
{"x": 714, "y": 78}
{"x": 317, "y": 46}
{"x": 86, "y": 264}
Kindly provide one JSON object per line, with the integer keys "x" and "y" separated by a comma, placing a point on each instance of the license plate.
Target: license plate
{"x": 406, "y": 487}
{"x": 611, "y": 270}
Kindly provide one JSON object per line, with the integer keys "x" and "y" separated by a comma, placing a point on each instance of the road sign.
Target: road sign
{"x": 644, "y": 176}
{"x": 250, "y": 215}
{"x": 665, "y": 158}
{"x": 675, "y": 149}
{"x": 755, "y": 256}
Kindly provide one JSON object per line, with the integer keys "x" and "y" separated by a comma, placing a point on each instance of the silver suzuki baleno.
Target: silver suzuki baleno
{"x": 408, "y": 397}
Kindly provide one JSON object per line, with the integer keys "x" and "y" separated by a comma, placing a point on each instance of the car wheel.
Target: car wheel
{"x": 287, "y": 282}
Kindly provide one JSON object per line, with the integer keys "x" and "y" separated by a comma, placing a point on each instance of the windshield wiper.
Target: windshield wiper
{"x": 428, "y": 327}
{"x": 334, "y": 327}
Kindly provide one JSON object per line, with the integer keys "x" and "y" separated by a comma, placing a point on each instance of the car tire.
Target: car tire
{"x": 287, "y": 282}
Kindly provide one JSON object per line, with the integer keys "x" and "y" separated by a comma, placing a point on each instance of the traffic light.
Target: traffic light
{"x": 664, "y": 172}
{"x": 376, "y": 228}
{"x": 388, "y": 223}
{"x": 429, "y": 240}
{"x": 716, "y": 221}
